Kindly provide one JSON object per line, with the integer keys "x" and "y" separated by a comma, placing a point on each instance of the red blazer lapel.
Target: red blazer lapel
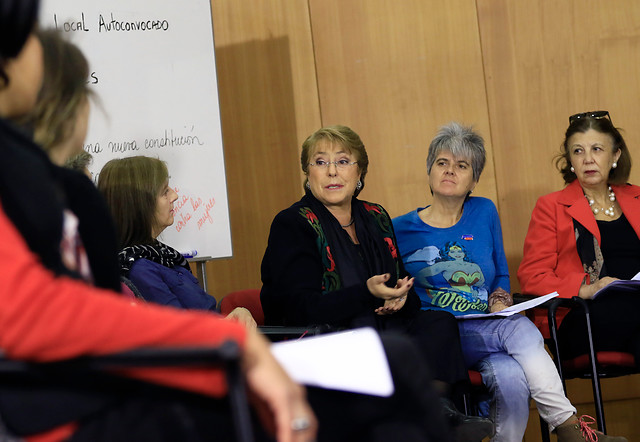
{"x": 578, "y": 208}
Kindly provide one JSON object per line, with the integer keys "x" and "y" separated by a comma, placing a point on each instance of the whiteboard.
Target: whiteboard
{"x": 153, "y": 70}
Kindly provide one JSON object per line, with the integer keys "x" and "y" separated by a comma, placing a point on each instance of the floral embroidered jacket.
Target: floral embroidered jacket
{"x": 301, "y": 282}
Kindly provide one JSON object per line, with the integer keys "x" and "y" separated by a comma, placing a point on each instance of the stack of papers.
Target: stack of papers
{"x": 515, "y": 308}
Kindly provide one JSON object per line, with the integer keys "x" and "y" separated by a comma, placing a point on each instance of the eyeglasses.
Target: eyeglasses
{"x": 593, "y": 114}
{"x": 340, "y": 164}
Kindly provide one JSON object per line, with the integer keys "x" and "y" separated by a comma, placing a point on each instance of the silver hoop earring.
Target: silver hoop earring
{"x": 572, "y": 169}
{"x": 359, "y": 185}
{"x": 614, "y": 165}
{"x": 308, "y": 185}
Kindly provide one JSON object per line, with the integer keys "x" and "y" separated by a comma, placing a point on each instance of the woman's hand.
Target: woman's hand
{"x": 244, "y": 317}
{"x": 588, "y": 290}
{"x": 391, "y": 306}
{"x": 280, "y": 402}
{"x": 499, "y": 299}
{"x": 498, "y": 306}
{"x": 377, "y": 287}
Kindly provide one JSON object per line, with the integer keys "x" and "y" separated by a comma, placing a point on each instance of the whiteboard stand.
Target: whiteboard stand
{"x": 201, "y": 270}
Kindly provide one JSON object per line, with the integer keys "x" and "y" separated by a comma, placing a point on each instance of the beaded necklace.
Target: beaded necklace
{"x": 611, "y": 211}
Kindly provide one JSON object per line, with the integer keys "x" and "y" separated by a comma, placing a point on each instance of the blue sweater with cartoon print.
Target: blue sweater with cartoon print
{"x": 458, "y": 267}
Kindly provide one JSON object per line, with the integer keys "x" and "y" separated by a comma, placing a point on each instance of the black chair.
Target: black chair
{"x": 226, "y": 356}
{"x": 131, "y": 286}
{"x": 592, "y": 365}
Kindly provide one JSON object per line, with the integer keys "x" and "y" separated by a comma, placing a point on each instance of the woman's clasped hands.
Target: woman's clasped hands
{"x": 394, "y": 297}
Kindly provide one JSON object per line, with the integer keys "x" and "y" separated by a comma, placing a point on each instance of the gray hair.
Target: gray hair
{"x": 462, "y": 142}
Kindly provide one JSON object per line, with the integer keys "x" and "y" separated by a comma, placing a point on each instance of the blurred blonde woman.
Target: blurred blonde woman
{"x": 60, "y": 118}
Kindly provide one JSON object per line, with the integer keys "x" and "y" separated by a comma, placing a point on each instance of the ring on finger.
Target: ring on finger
{"x": 300, "y": 424}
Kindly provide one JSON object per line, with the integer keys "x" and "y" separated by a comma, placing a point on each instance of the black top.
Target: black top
{"x": 293, "y": 291}
{"x": 95, "y": 226}
{"x": 34, "y": 192}
{"x": 620, "y": 248}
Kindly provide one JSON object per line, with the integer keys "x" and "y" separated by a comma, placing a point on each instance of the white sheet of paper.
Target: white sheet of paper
{"x": 352, "y": 360}
{"x": 515, "y": 308}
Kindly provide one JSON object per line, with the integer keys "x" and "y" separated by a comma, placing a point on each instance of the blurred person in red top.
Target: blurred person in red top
{"x": 49, "y": 313}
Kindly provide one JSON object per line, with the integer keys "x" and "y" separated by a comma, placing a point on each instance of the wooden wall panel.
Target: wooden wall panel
{"x": 395, "y": 72}
{"x": 544, "y": 61}
{"x": 268, "y": 100}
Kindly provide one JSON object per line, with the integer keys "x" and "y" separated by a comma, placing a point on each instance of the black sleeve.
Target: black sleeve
{"x": 412, "y": 304}
{"x": 292, "y": 273}
{"x": 96, "y": 227}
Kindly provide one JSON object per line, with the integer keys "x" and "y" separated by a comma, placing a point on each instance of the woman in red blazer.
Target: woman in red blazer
{"x": 587, "y": 235}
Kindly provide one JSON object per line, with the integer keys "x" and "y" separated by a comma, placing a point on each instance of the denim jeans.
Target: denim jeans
{"x": 509, "y": 353}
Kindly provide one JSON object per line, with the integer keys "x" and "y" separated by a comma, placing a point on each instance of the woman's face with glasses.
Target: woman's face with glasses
{"x": 333, "y": 174}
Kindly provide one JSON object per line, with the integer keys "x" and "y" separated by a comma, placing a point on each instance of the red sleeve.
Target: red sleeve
{"x": 46, "y": 318}
{"x": 546, "y": 264}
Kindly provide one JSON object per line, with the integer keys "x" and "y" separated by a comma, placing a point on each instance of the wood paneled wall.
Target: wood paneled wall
{"x": 269, "y": 102}
{"x": 397, "y": 70}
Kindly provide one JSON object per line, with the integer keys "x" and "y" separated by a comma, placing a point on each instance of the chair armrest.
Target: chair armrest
{"x": 552, "y": 307}
{"x": 227, "y": 353}
{"x": 281, "y": 332}
{"x": 226, "y": 356}
{"x": 555, "y": 303}
{"x": 522, "y": 297}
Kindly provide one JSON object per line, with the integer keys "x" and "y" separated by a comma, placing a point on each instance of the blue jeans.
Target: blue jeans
{"x": 509, "y": 353}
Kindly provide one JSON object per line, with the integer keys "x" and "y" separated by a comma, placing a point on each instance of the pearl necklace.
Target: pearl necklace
{"x": 611, "y": 211}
